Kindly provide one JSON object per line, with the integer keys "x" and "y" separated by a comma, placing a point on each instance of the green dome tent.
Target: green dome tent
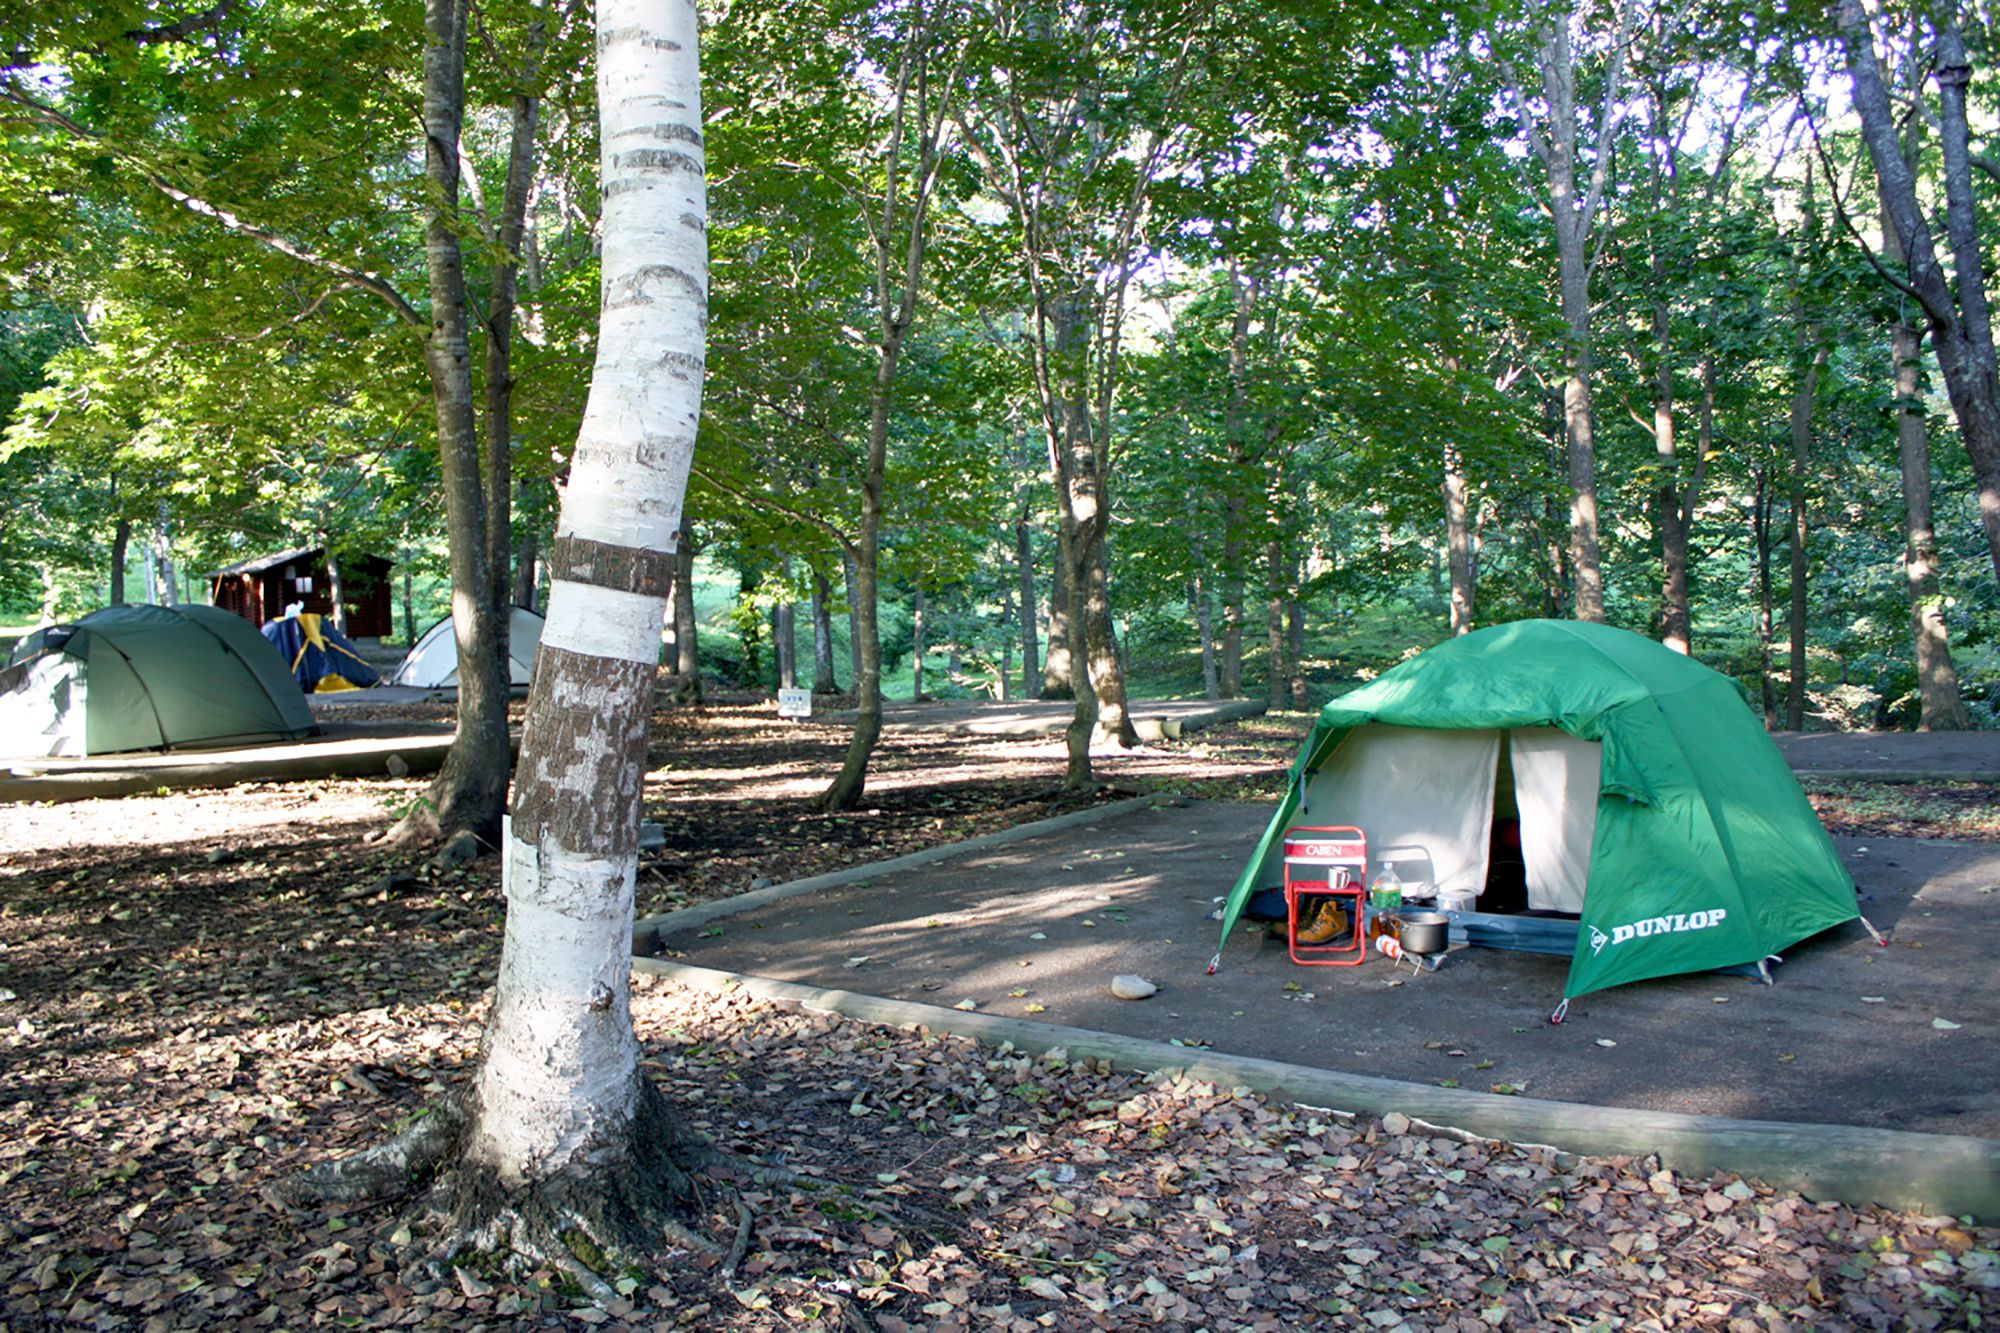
{"x": 1651, "y": 802}
{"x": 147, "y": 678}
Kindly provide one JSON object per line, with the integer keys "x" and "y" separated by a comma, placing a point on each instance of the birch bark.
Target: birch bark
{"x": 560, "y": 1075}
{"x": 561, "y": 1153}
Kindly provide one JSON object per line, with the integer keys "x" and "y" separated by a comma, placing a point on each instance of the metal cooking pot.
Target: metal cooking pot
{"x": 1424, "y": 932}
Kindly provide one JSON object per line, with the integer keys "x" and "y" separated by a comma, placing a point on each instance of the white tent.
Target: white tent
{"x": 433, "y": 662}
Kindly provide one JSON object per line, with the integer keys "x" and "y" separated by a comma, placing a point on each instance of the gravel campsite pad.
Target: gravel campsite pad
{"x": 202, "y": 992}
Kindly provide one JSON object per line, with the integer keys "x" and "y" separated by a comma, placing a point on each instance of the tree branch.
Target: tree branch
{"x": 207, "y": 20}
{"x": 1847, "y": 223}
{"x": 769, "y": 504}
{"x": 271, "y": 240}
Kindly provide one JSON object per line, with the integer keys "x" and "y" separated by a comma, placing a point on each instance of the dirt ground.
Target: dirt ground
{"x": 1965, "y": 754}
{"x": 202, "y": 991}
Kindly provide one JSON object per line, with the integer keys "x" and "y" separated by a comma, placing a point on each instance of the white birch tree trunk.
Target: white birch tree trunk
{"x": 560, "y": 1075}
{"x": 559, "y": 1152}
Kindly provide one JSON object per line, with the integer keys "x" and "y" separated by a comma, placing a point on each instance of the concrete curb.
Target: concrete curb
{"x": 1936, "y": 1173}
{"x": 702, "y": 913}
{"x": 1894, "y": 775}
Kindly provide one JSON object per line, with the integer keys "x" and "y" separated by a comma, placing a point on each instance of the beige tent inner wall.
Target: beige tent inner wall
{"x": 1424, "y": 798}
{"x": 1555, "y": 787}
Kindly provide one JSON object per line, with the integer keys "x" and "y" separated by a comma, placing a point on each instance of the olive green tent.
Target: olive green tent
{"x": 1651, "y": 802}
{"x": 147, "y": 678}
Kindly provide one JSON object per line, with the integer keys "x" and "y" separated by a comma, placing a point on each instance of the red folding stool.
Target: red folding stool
{"x": 1327, "y": 863}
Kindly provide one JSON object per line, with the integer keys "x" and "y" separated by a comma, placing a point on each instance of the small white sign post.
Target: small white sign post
{"x": 795, "y": 703}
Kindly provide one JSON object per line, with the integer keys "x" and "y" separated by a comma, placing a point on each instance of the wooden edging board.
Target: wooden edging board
{"x": 1934, "y": 1173}
{"x": 58, "y": 780}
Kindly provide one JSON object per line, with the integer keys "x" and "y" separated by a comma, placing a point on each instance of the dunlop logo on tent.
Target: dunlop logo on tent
{"x": 1676, "y": 924}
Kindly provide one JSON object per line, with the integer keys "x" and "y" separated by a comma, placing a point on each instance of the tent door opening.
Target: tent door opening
{"x": 1506, "y": 816}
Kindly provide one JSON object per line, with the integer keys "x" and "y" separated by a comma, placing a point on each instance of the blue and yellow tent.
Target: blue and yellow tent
{"x": 322, "y": 658}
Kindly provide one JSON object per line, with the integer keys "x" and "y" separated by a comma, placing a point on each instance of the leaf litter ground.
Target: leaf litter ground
{"x": 205, "y": 991}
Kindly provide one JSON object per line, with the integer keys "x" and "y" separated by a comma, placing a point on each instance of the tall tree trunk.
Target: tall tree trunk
{"x": 1057, "y": 676}
{"x": 1802, "y": 415}
{"x": 559, "y": 1084}
{"x": 1586, "y": 574}
{"x": 822, "y": 621}
{"x": 336, "y": 593}
{"x": 864, "y": 593}
{"x": 1295, "y": 635}
{"x": 163, "y": 558}
{"x": 470, "y": 790}
{"x": 917, "y": 647}
{"x": 409, "y": 604}
{"x": 687, "y": 628}
{"x": 1024, "y": 563}
{"x": 1760, "y": 530}
{"x": 1939, "y": 708}
{"x": 121, "y": 543}
{"x": 1204, "y": 619}
{"x": 1675, "y": 613}
{"x": 1554, "y": 135}
{"x": 500, "y": 310}
{"x": 526, "y": 565}
{"x": 1084, "y": 505}
{"x": 917, "y": 114}
{"x": 1939, "y": 705}
{"x": 1960, "y": 321}
{"x": 561, "y": 1151}
{"x": 1458, "y": 541}
{"x": 1277, "y": 686}
{"x": 784, "y": 634}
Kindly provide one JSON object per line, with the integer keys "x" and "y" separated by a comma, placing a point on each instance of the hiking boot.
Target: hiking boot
{"x": 1329, "y": 924}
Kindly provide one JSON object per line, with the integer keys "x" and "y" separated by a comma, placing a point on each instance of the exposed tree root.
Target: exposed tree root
{"x": 620, "y": 1206}
{"x": 744, "y": 1221}
{"x": 388, "y": 1171}
{"x": 418, "y": 828}
{"x": 703, "y": 1155}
